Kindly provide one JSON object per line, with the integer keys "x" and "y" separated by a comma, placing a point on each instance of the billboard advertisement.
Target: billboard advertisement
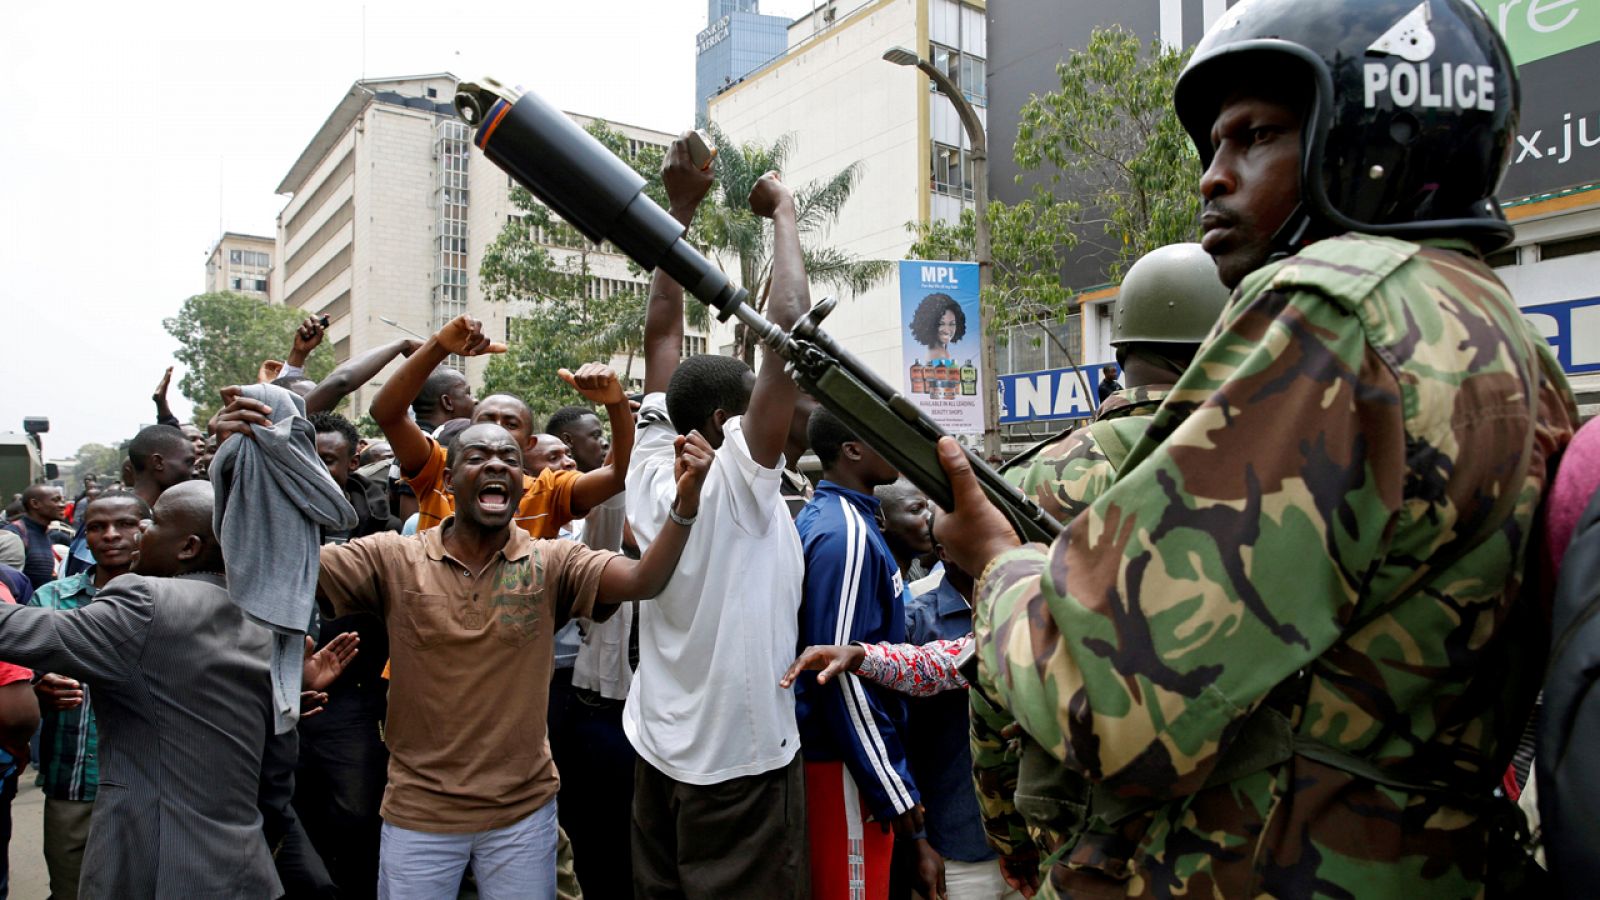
{"x": 1556, "y": 47}
{"x": 941, "y": 347}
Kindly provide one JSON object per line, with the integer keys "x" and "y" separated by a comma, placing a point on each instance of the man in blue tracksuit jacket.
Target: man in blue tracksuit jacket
{"x": 851, "y": 732}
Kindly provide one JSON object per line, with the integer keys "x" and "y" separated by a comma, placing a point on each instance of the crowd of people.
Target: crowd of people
{"x": 1282, "y": 647}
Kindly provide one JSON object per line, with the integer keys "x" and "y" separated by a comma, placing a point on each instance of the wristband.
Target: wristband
{"x": 685, "y": 521}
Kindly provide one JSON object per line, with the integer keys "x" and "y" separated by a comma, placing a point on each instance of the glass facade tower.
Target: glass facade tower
{"x": 737, "y": 41}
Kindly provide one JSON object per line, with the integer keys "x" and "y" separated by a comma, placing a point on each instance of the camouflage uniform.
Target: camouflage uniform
{"x": 1317, "y": 495}
{"x": 1064, "y": 478}
{"x": 1071, "y": 470}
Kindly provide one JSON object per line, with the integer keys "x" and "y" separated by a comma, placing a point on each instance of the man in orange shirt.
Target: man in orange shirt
{"x": 550, "y": 500}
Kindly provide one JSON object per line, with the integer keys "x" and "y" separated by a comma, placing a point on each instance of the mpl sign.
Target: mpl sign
{"x": 1047, "y": 395}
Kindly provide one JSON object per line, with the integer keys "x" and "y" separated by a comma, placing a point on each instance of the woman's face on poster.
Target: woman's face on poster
{"x": 947, "y": 327}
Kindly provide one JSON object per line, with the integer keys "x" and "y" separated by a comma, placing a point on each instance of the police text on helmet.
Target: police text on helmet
{"x": 1411, "y": 81}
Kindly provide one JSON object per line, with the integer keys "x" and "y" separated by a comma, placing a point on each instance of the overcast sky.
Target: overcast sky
{"x": 134, "y": 134}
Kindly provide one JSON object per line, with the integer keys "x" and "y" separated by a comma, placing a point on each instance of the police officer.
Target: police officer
{"x": 1167, "y": 304}
{"x": 1285, "y": 647}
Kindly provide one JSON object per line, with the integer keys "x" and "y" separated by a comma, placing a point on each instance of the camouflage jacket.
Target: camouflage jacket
{"x": 1064, "y": 477}
{"x": 1315, "y": 498}
{"x": 1071, "y": 470}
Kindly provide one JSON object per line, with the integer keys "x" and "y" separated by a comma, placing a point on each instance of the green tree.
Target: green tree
{"x": 1115, "y": 175}
{"x": 104, "y": 463}
{"x": 725, "y": 224}
{"x": 224, "y": 337}
{"x": 572, "y": 317}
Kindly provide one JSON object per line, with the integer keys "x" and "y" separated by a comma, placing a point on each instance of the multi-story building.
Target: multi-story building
{"x": 840, "y": 103}
{"x": 241, "y": 263}
{"x": 737, "y": 38}
{"x": 389, "y": 214}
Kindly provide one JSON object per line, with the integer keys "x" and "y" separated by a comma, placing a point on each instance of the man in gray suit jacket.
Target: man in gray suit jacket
{"x": 184, "y": 705}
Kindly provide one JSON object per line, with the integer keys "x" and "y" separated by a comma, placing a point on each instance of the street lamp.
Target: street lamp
{"x": 900, "y": 56}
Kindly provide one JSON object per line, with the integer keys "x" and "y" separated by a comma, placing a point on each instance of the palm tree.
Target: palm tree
{"x": 726, "y": 225}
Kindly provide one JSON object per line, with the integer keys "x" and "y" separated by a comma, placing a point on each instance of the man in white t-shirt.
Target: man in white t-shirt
{"x": 719, "y": 796}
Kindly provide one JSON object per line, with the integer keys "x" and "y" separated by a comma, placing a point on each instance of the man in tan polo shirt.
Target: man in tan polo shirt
{"x": 471, "y": 609}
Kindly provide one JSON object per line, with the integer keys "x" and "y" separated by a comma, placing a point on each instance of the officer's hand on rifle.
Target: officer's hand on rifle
{"x": 1021, "y": 872}
{"x": 769, "y": 195}
{"x": 975, "y": 532}
{"x": 686, "y": 183}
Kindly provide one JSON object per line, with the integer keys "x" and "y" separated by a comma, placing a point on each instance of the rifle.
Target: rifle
{"x": 603, "y": 198}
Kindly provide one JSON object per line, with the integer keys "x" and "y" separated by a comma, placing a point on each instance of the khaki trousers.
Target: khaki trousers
{"x": 66, "y": 833}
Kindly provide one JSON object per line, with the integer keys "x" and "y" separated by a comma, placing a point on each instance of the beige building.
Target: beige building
{"x": 241, "y": 263}
{"x": 389, "y": 214}
{"x": 842, "y": 103}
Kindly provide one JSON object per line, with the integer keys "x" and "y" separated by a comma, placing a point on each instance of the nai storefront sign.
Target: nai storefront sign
{"x": 1054, "y": 394}
{"x": 1573, "y": 330}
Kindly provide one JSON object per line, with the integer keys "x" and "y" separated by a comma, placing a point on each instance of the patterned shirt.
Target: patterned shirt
{"x": 917, "y": 670}
{"x": 69, "y": 757}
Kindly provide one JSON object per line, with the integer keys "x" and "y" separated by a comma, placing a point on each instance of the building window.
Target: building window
{"x": 606, "y": 288}
{"x": 694, "y": 345}
{"x": 1507, "y": 257}
{"x": 966, "y": 70}
{"x": 450, "y": 227}
{"x": 1026, "y": 348}
{"x": 1589, "y": 243}
{"x": 952, "y": 171}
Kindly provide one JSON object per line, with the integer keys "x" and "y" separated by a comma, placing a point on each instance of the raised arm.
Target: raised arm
{"x": 164, "y": 414}
{"x": 766, "y": 422}
{"x": 686, "y": 185}
{"x": 597, "y": 382}
{"x": 306, "y": 339}
{"x": 462, "y": 335}
{"x": 625, "y": 579}
{"x": 354, "y": 373}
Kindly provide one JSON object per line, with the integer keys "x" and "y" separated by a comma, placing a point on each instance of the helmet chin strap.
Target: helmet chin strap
{"x": 1292, "y": 234}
